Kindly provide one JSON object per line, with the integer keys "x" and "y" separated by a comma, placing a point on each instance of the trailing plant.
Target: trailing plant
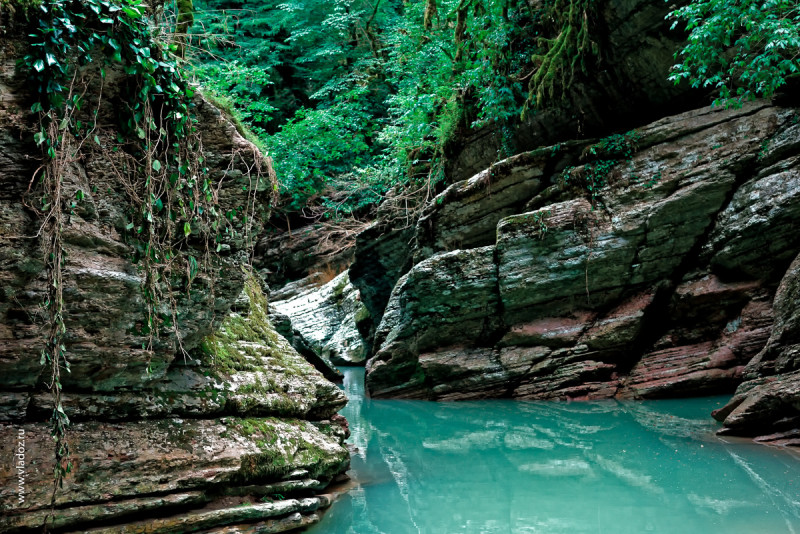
{"x": 604, "y": 156}
{"x": 363, "y": 103}
{"x": 539, "y": 220}
{"x": 566, "y": 49}
{"x": 175, "y": 222}
{"x": 165, "y": 153}
{"x": 354, "y": 99}
{"x": 742, "y": 50}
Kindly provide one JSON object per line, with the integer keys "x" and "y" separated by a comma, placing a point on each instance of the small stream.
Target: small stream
{"x": 603, "y": 467}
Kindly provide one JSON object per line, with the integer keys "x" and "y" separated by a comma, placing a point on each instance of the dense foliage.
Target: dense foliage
{"x": 174, "y": 219}
{"x": 352, "y": 97}
{"x": 744, "y": 49}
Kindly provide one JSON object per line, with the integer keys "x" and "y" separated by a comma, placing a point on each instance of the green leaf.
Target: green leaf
{"x": 192, "y": 267}
{"x": 156, "y": 165}
{"x": 132, "y": 12}
{"x": 187, "y": 229}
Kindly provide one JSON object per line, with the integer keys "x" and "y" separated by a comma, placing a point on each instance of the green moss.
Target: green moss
{"x": 185, "y": 12}
{"x": 248, "y": 344}
{"x": 18, "y": 7}
{"x": 269, "y": 465}
{"x": 362, "y": 315}
{"x": 249, "y": 427}
{"x": 242, "y": 342}
{"x": 284, "y": 446}
{"x": 273, "y": 461}
{"x": 226, "y": 107}
{"x": 338, "y": 289}
{"x": 565, "y": 54}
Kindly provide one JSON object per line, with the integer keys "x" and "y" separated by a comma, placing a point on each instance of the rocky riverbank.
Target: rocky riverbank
{"x": 660, "y": 283}
{"x": 227, "y": 429}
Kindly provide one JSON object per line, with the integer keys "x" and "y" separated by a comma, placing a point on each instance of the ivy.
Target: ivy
{"x": 604, "y": 156}
{"x": 354, "y": 99}
{"x": 175, "y": 222}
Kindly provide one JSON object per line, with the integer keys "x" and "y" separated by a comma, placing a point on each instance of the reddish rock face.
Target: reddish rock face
{"x": 768, "y": 402}
{"x": 549, "y": 332}
{"x": 659, "y": 285}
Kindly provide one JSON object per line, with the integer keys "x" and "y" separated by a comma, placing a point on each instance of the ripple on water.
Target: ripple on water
{"x": 604, "y": 467}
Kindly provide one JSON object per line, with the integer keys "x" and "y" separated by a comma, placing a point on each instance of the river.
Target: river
{"x": 603, "y": 467}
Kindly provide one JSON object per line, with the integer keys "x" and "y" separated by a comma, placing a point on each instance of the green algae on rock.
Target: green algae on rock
{"x": 158, "y": 432}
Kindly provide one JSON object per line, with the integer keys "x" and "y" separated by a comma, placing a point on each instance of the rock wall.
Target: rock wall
{"x": 285, "y": 256}
{"x": 769, "y": 399}
{"x": 236, "y": 428}
{"x": 628, "y": 87}
{"x": 659, "y": 284}
{"x": 326, "y": 317}
{"x": 209, "y": 444}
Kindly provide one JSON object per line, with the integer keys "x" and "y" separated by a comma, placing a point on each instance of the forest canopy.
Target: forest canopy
{"x": 354, "y": 97}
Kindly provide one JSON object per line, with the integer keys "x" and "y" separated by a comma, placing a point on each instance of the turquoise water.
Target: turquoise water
{"x": 529, "y": 467}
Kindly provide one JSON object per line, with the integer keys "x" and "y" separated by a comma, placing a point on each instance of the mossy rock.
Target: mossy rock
{"x": 262, "y": 372}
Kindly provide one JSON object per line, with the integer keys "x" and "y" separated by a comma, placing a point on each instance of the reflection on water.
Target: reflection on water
{"x": 509, "y": 467}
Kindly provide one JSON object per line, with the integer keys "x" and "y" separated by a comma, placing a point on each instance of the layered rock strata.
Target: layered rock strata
{"x": 221, "y": 425}
{"x": 326, "y": 317}
{"x": 244, "y": 433}
{"x": 659, "y": 284}
{"x": 626, "y": 88}
{"x": 769, "y": 398}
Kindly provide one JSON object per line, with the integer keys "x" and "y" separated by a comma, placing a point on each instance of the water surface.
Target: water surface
{"x": 508, "y": 467}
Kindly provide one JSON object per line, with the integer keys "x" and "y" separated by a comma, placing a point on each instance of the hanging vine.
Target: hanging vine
{"x": 565, "y": 54}
{"x": 175, "y": 222}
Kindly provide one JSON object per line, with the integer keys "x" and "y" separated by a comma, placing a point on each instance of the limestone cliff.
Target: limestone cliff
{"x": 328, "y": 318}
{"x": 612, "y": 256}
{"x": 220, "y": 426}
{"x": 530, "y": 280}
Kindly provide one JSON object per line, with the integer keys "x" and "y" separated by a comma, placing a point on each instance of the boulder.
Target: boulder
{"x": 656, "y": 281}
{"x": 325, "y": 317}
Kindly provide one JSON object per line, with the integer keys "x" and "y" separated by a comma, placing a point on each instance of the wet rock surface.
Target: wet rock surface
{"x": 630, "y": 89}
{"x": 160, "y": 437}
{"x": 659, "y": 284}
{"x": 326, "y": 317}
{"x": 244, "y": 411}
{"x": 767, "y": 403}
